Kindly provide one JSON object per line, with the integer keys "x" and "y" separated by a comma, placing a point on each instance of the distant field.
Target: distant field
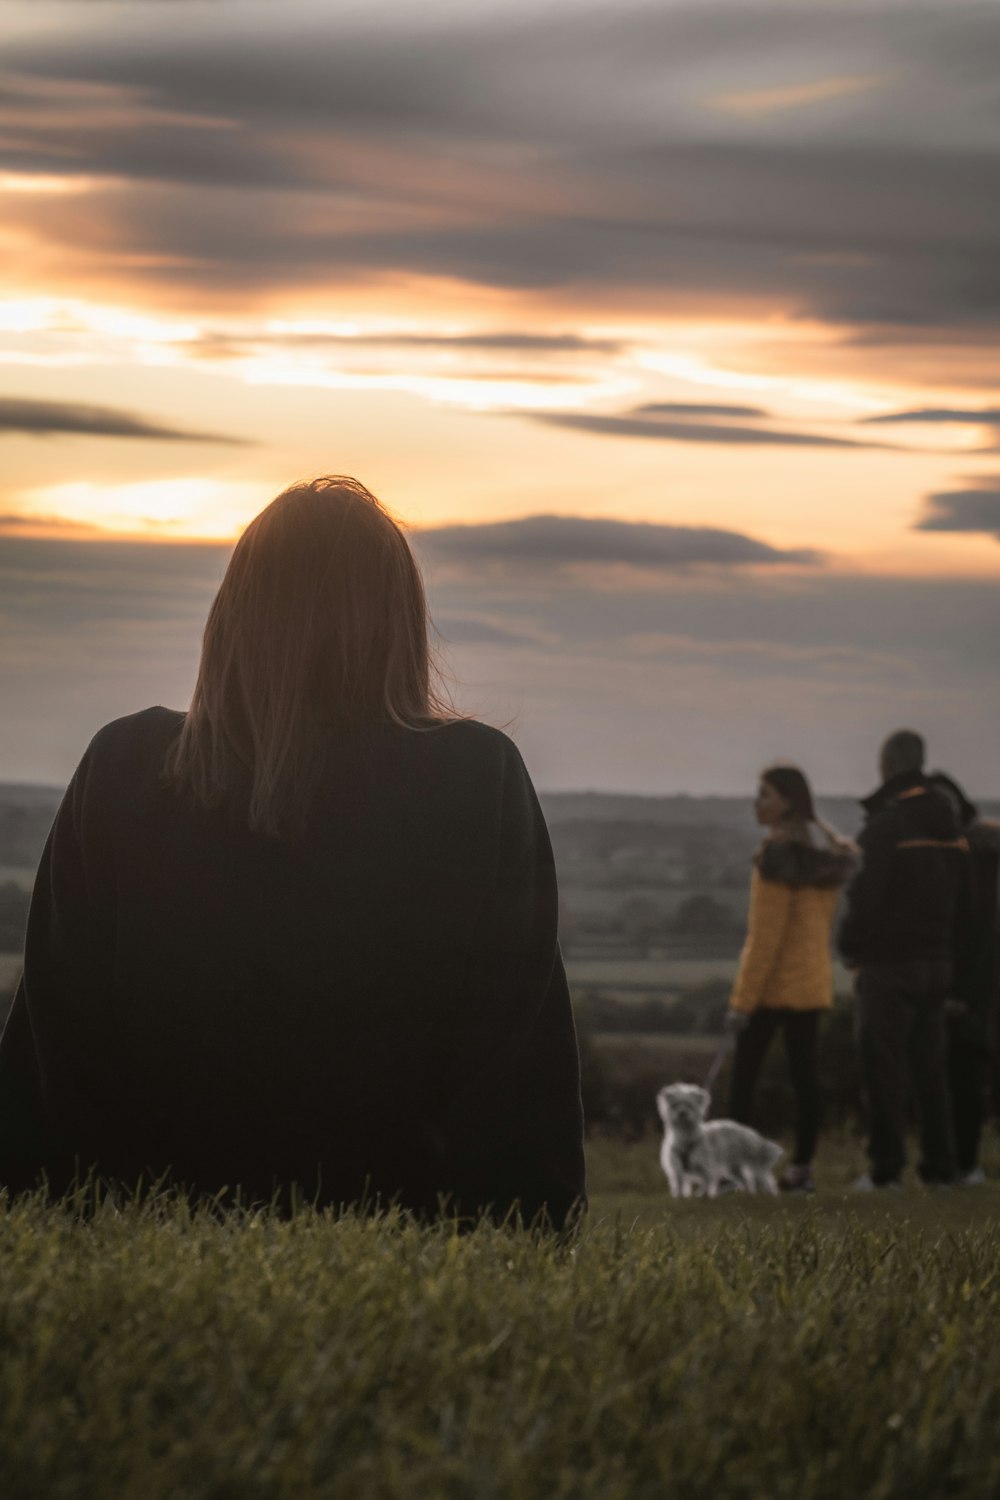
{"x": 606, "y": 901}
{"x": 647, "y": 973}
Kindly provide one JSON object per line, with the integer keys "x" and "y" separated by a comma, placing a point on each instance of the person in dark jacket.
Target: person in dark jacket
{"x": 972, "y": 1005}
{"x": 898, "y": 934}
{"x": 301, "y": 941}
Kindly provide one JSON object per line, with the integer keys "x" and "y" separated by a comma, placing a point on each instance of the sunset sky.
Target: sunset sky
{"x": 671, "y": 330}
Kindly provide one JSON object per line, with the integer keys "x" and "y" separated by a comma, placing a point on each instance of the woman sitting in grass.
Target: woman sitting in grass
{"x": 301, "y": 940}
{"x": 785, "y": 979}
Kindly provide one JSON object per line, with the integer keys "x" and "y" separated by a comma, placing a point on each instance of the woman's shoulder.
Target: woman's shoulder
{"x": 157, "y": 723}
{"x": 475, "y": 740}
{"x": 802, "y": 865}
{"x": 134, "y": 738}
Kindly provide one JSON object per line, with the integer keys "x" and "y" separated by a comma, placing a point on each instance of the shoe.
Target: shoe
{"x": 867, "y": 1184}
{"x": 798, "y": 1179}
{"x": 975, "y": 1177}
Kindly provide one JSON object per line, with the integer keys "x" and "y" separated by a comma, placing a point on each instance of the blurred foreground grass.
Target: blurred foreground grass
{"x": 747, "y": 1347}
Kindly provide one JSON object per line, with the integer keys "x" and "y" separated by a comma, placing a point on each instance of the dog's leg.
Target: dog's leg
{"x": 670, "y": 1171}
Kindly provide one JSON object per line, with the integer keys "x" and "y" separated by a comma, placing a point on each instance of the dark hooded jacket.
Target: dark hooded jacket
{"x": 977, "y": 957}
{"x": 377, "y": 1011}
{"x": 976, "y": 949}
{"x": 909, "y": 899}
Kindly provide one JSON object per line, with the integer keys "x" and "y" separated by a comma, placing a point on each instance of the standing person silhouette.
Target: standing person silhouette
{"x": 785, "y": 978}
{"x": 971, "y": 1007}
{"x": 301, "y": 940}
{"x": 903, "y": 911}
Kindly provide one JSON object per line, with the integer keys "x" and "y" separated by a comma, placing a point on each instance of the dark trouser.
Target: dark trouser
{"x": 801, "y": 1028}
{"x": 968, "y": 1068}
{"x": 901, "y": 1032}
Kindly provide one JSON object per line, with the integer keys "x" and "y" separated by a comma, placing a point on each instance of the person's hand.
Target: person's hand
{"x": 736, "y": 1021}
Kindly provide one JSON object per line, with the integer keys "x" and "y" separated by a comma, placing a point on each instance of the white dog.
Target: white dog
{"x": 708, "y": 1155}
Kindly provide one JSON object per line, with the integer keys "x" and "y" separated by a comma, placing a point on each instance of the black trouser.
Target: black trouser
{"x": 968, "y": 1068}
{"x": 801, "y": 1029}
{"x": 901, "y": 1033}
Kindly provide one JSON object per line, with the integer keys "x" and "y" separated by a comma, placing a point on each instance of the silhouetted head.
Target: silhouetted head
{"x": 319, "y": 628}
{"x": 904, "y": 750}
{"x": 784, "y": 796}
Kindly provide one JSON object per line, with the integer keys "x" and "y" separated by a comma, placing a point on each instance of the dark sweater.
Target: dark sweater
{"x": 378, "y": 1010}
{"x": 908, "y": 901}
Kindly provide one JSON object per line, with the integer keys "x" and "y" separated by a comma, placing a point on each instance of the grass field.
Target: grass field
{"x": 748, "y": 1347}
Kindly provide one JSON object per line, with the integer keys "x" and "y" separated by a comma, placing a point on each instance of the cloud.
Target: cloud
{"x": 43, "y": 418}
{"x": 696, "y": 409}
{"x": 667, "y": 431}
{"x": 691, "y": 683}
{"x": 796, "y": 95}
{"x": 233, "y": 344}
{"x": 969, "y": 510}
{"x": 514, "y": 150}
{"x": 45, "y": 525}
{"x": 459, "y": 631}
{"x": 984, "y": 417}
{"x": 557, "y": 541}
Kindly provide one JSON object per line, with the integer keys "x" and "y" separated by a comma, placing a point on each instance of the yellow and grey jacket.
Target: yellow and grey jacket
{"x": 786, "y": 963}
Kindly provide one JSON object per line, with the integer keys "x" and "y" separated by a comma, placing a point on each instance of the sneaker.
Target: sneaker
{"x": 867, "y": 1184}
{"x": 975, "y": 1177}
{"x": 797, "y": 1179}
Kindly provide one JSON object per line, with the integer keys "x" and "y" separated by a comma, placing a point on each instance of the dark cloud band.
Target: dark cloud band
{"x": 972, "y": 510}
{"x": 44, "y": 418}
{"x": 554, "y": 541}
{"x": 696, "y": 409}
{"x": 528, "y": 151}
{"x": 985, "y": 417}
{"x": 666, "y": 431}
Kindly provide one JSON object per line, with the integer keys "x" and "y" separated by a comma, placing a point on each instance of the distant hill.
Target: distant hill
{"x": 682, "y": 810}
{"x": 576, "y": 818}
{"x": 26, "y": 814}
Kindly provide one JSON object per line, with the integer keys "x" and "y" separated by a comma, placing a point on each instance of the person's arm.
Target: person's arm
{"x": 514, "y": 1129}
{"x": 866, "y": 894}
{"x": 770, "y": 904}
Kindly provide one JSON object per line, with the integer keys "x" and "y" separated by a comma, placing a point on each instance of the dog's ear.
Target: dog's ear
{"x": 703, "y": 1099}
{"x": 662, "y": 1107}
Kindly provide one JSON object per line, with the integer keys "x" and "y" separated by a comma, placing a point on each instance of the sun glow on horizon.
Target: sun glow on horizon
{"x": 189, "y": 508}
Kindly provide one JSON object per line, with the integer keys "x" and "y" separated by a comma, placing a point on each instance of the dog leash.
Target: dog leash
{"x": 722, "y": 1052}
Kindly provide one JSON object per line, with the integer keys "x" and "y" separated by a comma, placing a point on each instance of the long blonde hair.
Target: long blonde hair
{"x": 319, "y": 628}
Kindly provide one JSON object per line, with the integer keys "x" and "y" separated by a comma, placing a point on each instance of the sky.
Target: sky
{"x": 669, "y": 330}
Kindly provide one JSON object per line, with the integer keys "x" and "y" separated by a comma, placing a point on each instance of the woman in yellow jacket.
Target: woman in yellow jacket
{"x": 785, "y": 979}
